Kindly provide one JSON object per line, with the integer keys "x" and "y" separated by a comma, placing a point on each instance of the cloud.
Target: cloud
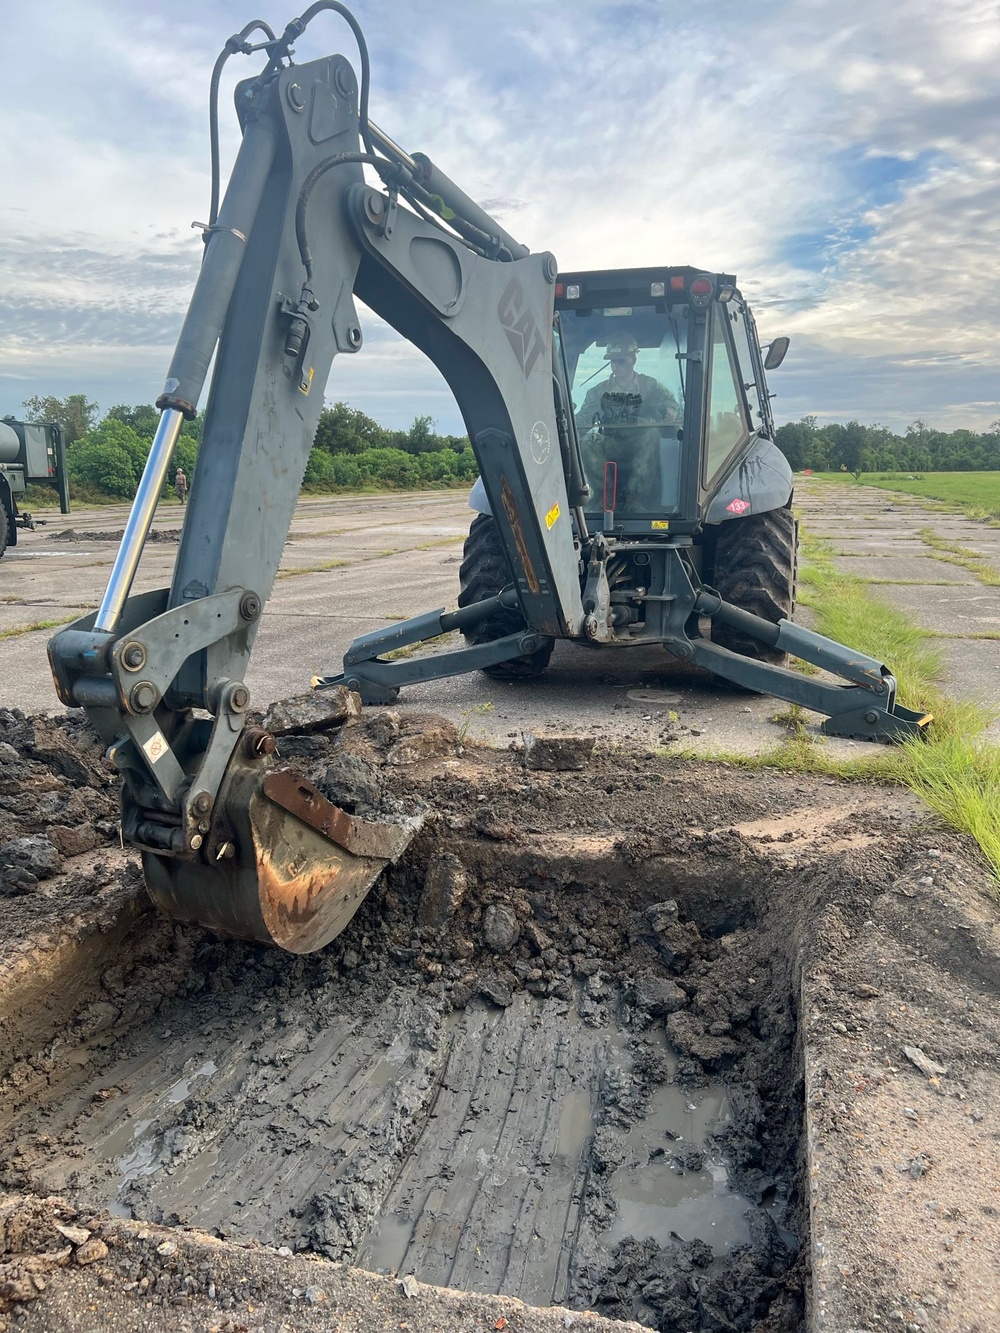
{"x": 842, "y": 158}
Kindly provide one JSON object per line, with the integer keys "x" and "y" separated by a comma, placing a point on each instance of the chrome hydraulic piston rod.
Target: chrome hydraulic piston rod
{"x": 154, "y": 474}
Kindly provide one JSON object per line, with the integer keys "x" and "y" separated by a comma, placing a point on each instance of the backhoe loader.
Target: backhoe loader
{"x": 635, "y": 514}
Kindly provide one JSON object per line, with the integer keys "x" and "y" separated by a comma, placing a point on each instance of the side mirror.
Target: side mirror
{"x": 776, "y": 353}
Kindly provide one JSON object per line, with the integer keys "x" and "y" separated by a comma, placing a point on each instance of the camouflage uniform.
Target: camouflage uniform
{"x": 658, "y": 403}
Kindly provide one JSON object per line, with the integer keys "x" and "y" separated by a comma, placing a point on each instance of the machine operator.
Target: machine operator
{"x": 619, "y": 422}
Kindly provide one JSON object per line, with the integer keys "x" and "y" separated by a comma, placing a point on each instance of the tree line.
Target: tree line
{"x": 351, "y": 451}
{"x": 857, "y": 448}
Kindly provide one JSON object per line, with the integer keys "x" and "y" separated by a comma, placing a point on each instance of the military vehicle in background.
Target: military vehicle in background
{"x": 30, "y": 454}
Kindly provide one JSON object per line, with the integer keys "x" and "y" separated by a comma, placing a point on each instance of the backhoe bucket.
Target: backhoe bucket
{"x": 281, "y": 864}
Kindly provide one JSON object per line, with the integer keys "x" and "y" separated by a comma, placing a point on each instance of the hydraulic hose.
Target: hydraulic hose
{"x": 238, "y": 42}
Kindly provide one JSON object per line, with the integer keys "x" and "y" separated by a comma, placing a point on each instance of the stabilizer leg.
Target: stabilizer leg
{"x": 379, "y": 681}
{"x": 865, "y": 709}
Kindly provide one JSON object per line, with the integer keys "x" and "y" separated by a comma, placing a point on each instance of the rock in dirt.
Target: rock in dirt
{"x": 445, "y": 884}
{"x": 658, "y": 996}
{"x": 662, "y": 915}
{"x": 91, "y": 1252}
{"x": 553, "y": 753}
{"x": 928, "y": 1067}
{"x": 351, "y": 781}
{"x": 316, "y": 711}
{"x": 501, "y": 930}
{"x": 24, "y": 861}
{"x": 73, "y": 841}
{"x": 678, "y": 942}
{"x": 691, "y": 1037}
{"x": 75, "y": 1235}
{"x": 496, "y": 990}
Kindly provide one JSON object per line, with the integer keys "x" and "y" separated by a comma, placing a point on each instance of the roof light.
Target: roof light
{"x": 701, "y": 291}
{"x": 560, "y": 289}
{"x": 677, "y": 282}
{"x": 656, "y": 289}
{"x": 572, "y": 291}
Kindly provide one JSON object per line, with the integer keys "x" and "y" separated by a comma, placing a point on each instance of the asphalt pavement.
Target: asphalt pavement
{"x": 356, "y": 563}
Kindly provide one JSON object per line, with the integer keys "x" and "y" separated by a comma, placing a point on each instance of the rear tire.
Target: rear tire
{"x": 8, "y": 532}
{"x": 484, "y": 573}
{"x": 756, "y": 561}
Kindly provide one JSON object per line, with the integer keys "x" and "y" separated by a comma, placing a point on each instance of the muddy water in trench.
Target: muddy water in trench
{"x": 464, "y": 1148}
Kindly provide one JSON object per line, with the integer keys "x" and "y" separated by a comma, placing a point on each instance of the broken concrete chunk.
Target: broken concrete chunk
{"x": 383, "y": 728}
{"x": 501, "y": 930}
{"x": 445, "y": 884}
{"x": 928, "y": 1067}
{"x": 553, "y": 753}
{"x": 34, "y": 854}
{"x": 428, "y": 743}
{"x": 315, "y": 711}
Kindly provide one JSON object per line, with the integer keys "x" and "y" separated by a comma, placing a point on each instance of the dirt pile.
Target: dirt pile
{"x": 58, "y": 798}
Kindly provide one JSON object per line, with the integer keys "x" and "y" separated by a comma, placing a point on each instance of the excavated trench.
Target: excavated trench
{"x": 519, "y": 1103}
{"x": 555, "y": 1056}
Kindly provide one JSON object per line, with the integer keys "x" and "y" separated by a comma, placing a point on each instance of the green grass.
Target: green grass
{"x": 313, "y": 569}
{"x": 954, "y": 554}
{"x": 952, "y": 767}
{"x": 18, "y": 630}
{"x": 974, "y": 493}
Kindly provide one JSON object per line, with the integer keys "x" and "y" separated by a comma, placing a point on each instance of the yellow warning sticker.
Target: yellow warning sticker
{"x": 552, "y": 515}
{"x": 306, "y": 382}
{"x": 660, "y": 523}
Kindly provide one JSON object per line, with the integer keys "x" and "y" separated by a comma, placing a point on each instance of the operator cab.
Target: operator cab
{"x": 663, "y": 389}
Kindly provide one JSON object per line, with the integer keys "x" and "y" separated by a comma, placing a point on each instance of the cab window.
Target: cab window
{"x": 628, "y": 400}
{"x": 747, "y": 367}
{"x": 726, "y": 420}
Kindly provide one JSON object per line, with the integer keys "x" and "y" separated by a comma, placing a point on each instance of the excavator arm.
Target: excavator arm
{"x": 229, "y": 836}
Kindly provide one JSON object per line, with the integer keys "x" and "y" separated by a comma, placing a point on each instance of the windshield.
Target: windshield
{"x": 628, "y": 399}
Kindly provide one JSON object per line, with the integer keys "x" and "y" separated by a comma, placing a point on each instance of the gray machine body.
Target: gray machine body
{"x": 298, "y": 237}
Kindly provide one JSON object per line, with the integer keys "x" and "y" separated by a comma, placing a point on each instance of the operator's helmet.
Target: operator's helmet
{"x": 622, "y": 344}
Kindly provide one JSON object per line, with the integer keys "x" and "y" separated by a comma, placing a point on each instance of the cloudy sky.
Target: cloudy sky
{"x": 842, "y": 157}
